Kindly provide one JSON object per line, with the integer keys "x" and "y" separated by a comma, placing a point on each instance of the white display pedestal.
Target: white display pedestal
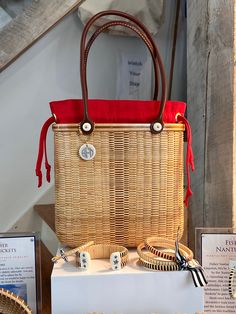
{"x": 133, "y": 290}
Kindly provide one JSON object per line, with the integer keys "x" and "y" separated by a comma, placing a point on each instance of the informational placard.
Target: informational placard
{"x": 216, "y": 248}
{"x": 19, "y": 267}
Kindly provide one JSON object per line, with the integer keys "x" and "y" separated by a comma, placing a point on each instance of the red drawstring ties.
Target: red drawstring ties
{"x": 43, "y": 151}
{"x": 189, "y": 156}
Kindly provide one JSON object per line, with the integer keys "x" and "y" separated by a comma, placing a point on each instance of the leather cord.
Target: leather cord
{"x": 173, "y": 48}
{"x": 157, "y": 125}
{"x": 137, "y": 31}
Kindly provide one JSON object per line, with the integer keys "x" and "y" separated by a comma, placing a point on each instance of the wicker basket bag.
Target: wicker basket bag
{"x": 119, "y": 164}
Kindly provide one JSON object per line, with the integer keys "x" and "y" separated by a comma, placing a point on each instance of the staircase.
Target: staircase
{"x": 47, "y": 213}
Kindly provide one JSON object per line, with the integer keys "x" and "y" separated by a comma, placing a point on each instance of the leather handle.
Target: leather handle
{"x": 137, "y": 31}
{"x": 87, "y": 124}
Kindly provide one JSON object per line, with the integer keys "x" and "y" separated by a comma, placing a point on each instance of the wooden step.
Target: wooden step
{"x": 47, "y": 213}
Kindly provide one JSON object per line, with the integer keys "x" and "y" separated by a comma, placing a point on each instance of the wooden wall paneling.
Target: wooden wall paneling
{"x": 234, "y": 131}
{"x": 196, "y": 77}
{"x": 219, "y": 118}
{"x": 210, "y": 69}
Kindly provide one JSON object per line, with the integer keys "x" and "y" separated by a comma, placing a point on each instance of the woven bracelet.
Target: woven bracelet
{"x": 151, "y": 261}
{"x": 181, "y": 263}
{"x": 153, "y": 243}
{"x": 232, "y": 293}
{"x": 64, "y": 254}
{"x": 160, "y": 266}
{"x": 118, "y": 255}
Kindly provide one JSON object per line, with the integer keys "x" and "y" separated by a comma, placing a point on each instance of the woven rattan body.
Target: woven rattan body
{"x": 133, "y": 188}
{"x": 12, "y": 304}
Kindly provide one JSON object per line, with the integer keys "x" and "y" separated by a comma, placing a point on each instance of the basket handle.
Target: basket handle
{"x": 137, "y": 31}
{"x": 87, "y": 125}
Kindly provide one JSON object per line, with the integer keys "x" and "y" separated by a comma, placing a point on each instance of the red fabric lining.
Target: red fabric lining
{"x": 115, "y": 111}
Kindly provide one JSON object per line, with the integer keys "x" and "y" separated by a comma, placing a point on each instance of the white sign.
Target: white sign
{"x": 217, "y": 250}
{"x": 134, "y": 77}
{"x": 18, "y": 267}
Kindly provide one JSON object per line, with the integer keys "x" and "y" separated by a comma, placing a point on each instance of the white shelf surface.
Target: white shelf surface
{"x": 132, "y": 290}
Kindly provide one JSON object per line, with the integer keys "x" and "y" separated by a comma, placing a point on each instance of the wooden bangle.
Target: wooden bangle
{"x": 151, "y": 261}
{"x": 118, "y": 255}
{"x": 71, "y": 252}
{"x": 160, "y": 267}
{"x": 232, "y": 293}
{"x": 153, "y": 243}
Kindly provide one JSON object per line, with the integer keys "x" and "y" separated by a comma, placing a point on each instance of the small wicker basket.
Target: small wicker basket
{"x": 11, "y": 303}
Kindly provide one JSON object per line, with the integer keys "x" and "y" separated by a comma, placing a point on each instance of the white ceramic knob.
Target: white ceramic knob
{"x": 157, "y": 126}
{"x": 115, "y": 261}
{"x": 86, "y": 126}
{"x": 85, "y": 260}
